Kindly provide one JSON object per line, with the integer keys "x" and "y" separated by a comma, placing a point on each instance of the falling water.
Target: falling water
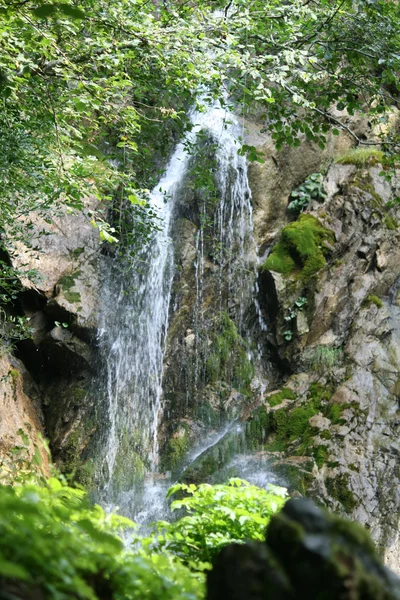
{"x": 135, "y": 312}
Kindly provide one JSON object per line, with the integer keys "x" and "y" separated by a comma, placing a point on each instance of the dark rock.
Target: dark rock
{"x": 309, "y": 553}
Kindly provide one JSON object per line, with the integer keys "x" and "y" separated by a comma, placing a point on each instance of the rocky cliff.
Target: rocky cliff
{"x": 283, "y": 343}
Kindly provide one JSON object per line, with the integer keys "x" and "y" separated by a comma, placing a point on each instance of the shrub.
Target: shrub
{"x": 217, "y": 515}
{"x": 54, "y": 545}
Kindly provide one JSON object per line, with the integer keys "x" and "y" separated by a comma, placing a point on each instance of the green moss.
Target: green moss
{"x": 228, "y": 360}
{"x": 319, "y": 393}
{"x": 302, "y": 247}
{"x": 355, "y": 533}
{"x": 176, "y": 449}
{"x": 129, "y": 468}
{"x": 337, "y": 487}
{"x": 361, "y": 157}
{"x": 334, "y": 411}
{"x": 280, "y": 260}
{"x": 372, "y": 300}
{"x": 13, "y": 373}
{"x": 72, "y": 297}
{"x": 279, "y": 397}
{"x": 85, "y": 473}
{"x": 320, "y": 454}
{"x": 258, "y": 427}
{"x": 325, "y": 434}
{"x": 293, "y": 424}
{"x": 391, "y": 223}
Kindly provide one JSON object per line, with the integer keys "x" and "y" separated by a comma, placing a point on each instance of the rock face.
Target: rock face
{"x": 61, "y": 302}
{"x": 329, "y": 293}
{"x": 21, "y": 423}
{"x": 307, "y": 554}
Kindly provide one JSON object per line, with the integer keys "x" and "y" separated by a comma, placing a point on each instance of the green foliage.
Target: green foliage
{"x": 284, "y": 394}
{"x": 311, "y": 189}
{"x": 216, "y": 516}
{"x": 323, "y": 359}
{"x": 361, "y": 157}
{"x": 391, "y": 223}
{"x": 54, "y": 545}
{"x": 371, "y": 299}
{"x": 292, "y": 425}
{"x": 338, "y": 488}
{"x": 302, "y": 247}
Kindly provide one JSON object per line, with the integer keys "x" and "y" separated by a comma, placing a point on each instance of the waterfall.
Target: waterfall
{"x": 136, "y": 306}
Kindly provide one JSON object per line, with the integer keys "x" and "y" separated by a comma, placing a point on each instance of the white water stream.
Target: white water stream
{"x": 136, "y": 304}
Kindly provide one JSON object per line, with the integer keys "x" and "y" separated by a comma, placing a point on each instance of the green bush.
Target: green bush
{"x": 55, "y": 546}
{"x": 217, "y": 515}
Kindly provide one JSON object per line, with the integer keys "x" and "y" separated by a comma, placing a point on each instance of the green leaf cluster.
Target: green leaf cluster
{"x": 311, "y": 189}
{"x": 55, "y": 545}
{"x": 217, "y": 515}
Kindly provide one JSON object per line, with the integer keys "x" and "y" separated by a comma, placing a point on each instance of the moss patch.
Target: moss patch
{"x": 279, "y": 397}
{"x": 67, "y": 282}
{"x": 361, "y": 157}
{"x": 302, "y": 247}
{"x": 337, "y": 487}
{"x": 391, "y": 223}
{"x": 372, "y": 300}
{"x": 258, "y": 427}
{"x": 176, "y": 448}
{"x": 228, "y": 360}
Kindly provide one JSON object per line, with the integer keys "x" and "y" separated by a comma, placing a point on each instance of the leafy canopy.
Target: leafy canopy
{"x": 94, "y": 93}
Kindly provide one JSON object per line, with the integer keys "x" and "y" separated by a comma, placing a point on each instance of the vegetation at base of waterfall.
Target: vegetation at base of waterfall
{"x": 94, "y": 93}
{"x": 55, "y": 545}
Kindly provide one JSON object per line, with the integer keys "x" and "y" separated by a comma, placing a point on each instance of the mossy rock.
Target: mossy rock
{"x": 258, "y": 427}
{"x": 67, "y": 283}
{"x": 371, "y": 299}
{"x": 302, "y": 248}
{"x": 228, "y": 360}
{"x": 338, "y": 488}
{"x": 279, "y": 397}
{"x": 361, "y": 157}
{"x": 176, "y": 449}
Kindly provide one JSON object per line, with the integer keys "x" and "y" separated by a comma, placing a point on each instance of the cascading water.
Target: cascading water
{"x": 136, "y": 310}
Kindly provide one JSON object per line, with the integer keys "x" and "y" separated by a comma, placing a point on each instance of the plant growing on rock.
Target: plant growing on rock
{"x": 311, "y": 189}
